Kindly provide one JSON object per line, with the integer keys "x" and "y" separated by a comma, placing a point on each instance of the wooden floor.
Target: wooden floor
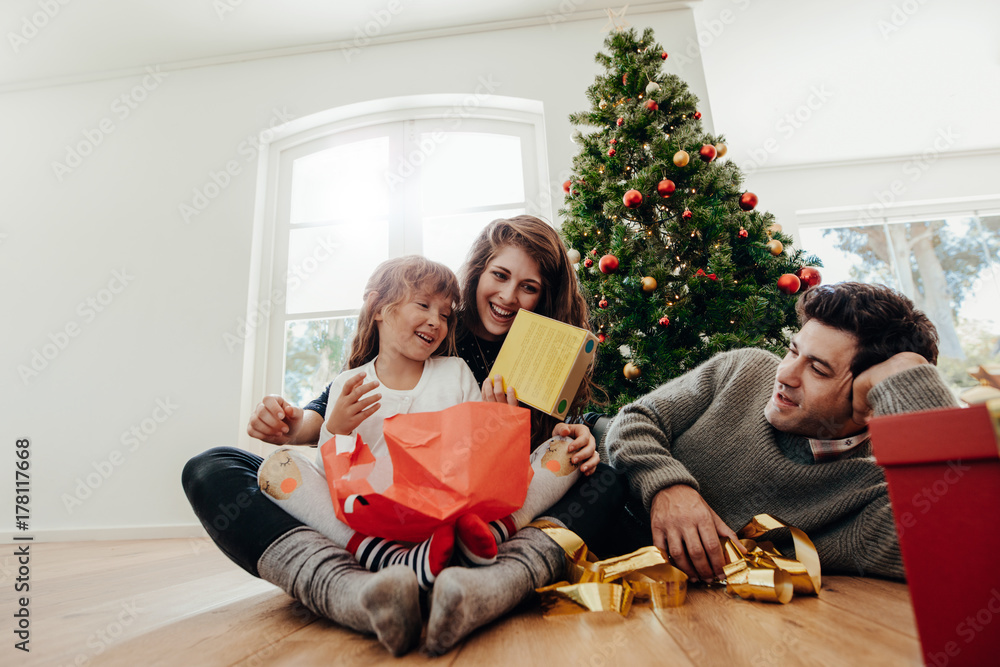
{"x": 181, "y": 602}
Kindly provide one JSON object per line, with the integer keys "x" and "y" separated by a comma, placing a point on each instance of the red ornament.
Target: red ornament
{"x": 712, "y": 276}
{"x": 575, "y": 192}
{"x": 620, "y": 122}
{"x": 687, "y": 214}
{"x": 632, "y": 198}
{"x": 789, "y": 283}
{"x": 608, "y": 264}
{"x": 707, "y": 152}
{"x": 611, "y": 152}
{"x": 743, "y": 233}
{"x": 588, "y": 262}
{"x": 593, "y": 252}
{"x": 665, "y": 187}
{"x": 603, "y": 303}
{"x": 697, "y": 115}
{"x": 748, "y": 201}
{"x": 664, "y": 321}
{"x": 664, "y": 55}
{"x": 566, "y": 185}
{"x": 613, "y": 142}
{"x": 809, "y": 276}
{"x": 652, "y": 105}
{"x": 601, "y": 337}
{"x": 624, "y": 78}
{"x": 700, "y": 272}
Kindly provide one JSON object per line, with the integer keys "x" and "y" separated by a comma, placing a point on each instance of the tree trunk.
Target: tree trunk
{"x": 937, "y": 297}
{"x": 901, "y": 259}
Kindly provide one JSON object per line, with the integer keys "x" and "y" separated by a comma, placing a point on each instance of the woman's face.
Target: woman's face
{"x": 510, "y": 281}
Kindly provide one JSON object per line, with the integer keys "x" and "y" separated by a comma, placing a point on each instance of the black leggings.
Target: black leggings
{"x": 221, "y": 485}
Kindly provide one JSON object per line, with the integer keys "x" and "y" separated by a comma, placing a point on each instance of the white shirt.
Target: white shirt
{"x": 444, "y": 382}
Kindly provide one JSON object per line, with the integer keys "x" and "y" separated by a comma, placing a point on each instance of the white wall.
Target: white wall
{"x": 159, "y": 337}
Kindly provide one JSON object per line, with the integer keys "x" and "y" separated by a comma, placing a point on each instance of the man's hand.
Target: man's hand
{"x": 583, "y": 447}
{"x": 275, "y": 421}
{"x": 871, "y": 377}
{"x": 350, "y": 409}
{"x": 689, "y": 530}
{"x": 493, "y": 391}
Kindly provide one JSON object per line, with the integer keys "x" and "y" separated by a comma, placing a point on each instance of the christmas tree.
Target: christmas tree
{"x": 674, "y": 257}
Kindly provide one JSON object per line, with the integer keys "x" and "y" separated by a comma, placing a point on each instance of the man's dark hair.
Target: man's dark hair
{"x": 883, "y": 321}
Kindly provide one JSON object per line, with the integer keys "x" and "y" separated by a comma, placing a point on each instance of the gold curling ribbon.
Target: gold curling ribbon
{"x": 763, "y": 573}
{"x": 611, "y": 584}
{"x": 993, "y": 408}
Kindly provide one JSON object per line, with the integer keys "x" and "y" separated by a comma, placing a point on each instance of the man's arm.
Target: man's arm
{"x": 864, "y": 546}
{"x": 905, "y": 382}
{"x": 640, "y": 442}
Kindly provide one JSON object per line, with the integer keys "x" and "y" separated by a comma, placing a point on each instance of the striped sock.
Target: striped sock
{"x": 427, "y": 559}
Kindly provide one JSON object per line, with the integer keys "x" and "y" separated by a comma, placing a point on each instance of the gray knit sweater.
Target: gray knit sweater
{"x": 707, "y": 429}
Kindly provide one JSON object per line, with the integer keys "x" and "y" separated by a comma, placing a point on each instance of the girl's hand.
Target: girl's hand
{"x": 493, "y": 391}
{"x": 350, "y": 409}
{"x": 583, "y": 448}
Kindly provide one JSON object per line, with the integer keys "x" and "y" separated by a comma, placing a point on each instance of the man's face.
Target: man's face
{"x": 812, "y": 388}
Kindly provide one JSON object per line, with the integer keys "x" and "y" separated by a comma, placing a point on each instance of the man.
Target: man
{"x": 748, "y": 433}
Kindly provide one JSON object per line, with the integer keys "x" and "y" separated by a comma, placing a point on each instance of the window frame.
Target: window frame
{"x": 264, "y": 345}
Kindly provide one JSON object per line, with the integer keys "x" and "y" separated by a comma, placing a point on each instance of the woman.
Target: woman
{"x": 514, "y": 263}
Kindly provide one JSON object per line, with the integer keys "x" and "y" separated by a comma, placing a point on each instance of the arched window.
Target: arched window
{"x": 345, "y": 189}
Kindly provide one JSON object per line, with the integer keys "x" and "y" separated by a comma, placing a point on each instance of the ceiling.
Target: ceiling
{"x": 803, "y": 82}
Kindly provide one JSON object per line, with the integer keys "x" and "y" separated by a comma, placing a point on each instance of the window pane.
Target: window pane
{"x": 949, "y": 268}
{"x": 315, "y": 352}
{"x": 342, "y": 183}
{"x": 329, "y": 265}
{"x": 470, "y": 169}
{"x": 447, "y": 238}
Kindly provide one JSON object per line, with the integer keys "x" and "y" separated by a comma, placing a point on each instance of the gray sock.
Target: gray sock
{"x": 331, "y": 583}
{"x": 467, "y": 598}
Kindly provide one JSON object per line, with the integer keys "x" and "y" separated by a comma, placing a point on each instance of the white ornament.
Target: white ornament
{"x": 574, "y": 255}
{"x": 576, "y": 136}
{"x": 603, "y": 104}
{"x": 652, "y": 88}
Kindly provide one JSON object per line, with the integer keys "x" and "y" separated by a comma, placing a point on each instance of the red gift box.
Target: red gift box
{"x": 943, "y": 469}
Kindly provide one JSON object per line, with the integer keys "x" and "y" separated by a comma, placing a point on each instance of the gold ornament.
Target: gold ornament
{"x": 773, "y": 229}
{"x": 681, "y": 158}
{"x": 648, "y": 284}
{"x": 720, "y": 149}
{"x": 774, "y": 245}
{"x": 603, "y": 104}
{"x": 631, "y": 371}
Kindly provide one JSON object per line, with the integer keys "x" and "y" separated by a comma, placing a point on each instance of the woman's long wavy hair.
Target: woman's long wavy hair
{"x": 392, "y": 283}
{"x": 560, "y": 296}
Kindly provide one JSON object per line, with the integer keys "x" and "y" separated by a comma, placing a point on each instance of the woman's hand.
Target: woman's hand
{"x": 493, "y": 391}
{"x": 275, "y": 421}
{"x": 350, "y": 409}
{"x": 583, "y": 448}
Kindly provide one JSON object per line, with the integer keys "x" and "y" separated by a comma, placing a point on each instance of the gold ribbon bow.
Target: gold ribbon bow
{"x": 763, "y": 573}
{"x": 611, "y": 584}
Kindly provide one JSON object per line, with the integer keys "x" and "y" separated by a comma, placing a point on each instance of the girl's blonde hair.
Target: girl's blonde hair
{"x": 392, "y": 283}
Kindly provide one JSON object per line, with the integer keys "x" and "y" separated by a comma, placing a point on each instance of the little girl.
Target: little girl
{"x": 407, "y": 321}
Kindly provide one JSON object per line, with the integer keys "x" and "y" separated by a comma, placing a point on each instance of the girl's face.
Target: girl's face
{"x": 415, "y": 328}
{"x": 510, "y": 281}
